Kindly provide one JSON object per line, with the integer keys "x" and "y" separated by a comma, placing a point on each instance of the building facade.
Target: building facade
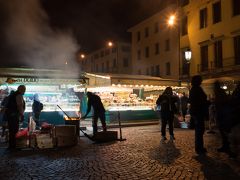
{"x": 114, "y": 58}
{"x": 211, "y": 30}
{"x": 155, "y": 46}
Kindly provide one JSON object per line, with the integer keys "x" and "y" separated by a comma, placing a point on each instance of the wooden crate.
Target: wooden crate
{"x": 64, "y": 130}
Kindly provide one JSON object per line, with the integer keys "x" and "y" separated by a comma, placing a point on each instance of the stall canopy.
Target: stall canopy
{"x": 29, "y": 75}
{"x": 130, "y": 81}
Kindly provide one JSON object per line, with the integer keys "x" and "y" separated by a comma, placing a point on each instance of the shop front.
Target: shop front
{"x": 54, "y": 87}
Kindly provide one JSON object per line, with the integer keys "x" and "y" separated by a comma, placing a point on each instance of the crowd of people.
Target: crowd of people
{"x": 221, "y": 110}
{"x": 13, "y": 108}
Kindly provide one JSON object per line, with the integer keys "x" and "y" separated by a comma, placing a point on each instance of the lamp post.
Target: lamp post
{"x": 188, "y": 57}
{"x": 110, "y": 44}
{"x": 173, "y": 21}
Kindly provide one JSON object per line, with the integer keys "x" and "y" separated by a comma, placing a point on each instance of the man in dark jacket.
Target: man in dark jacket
{"x": 99, "y": 111}
{"x": 168, "y": 109}
{"x": 15, "y": 113}
{"x": 199, "y": 111}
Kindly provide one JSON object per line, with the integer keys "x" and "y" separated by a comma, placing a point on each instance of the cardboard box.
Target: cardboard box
{"x": 106, "y": 136}
{"x": 45, "y": 141}
{"x": 63, "y": 141}
{"x": 64, "y": 130}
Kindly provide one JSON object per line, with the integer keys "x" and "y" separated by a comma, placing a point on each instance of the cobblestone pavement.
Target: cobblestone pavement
{"x": 141, "y": 156}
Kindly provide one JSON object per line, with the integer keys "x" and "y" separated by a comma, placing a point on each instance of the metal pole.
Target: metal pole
{"x": 120, "y": 127}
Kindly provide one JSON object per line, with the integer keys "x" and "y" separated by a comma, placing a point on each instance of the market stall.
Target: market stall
{"x": 132, "y": 96}
{"x": 54, "y": 87}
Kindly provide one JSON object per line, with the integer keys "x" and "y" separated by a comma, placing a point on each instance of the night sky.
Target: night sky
{"x": 41, "y": 30}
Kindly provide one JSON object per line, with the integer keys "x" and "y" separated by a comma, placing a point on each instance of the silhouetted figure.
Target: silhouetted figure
{"x": 99, "y": 111}
{"x": 15, "y": 114}
{"x": 235, "y": 104}
{"x": 37, "y": 107}
{"x": 223, "y": 112}
{"x": 183, "y": 104}
{"x": 198, "y": 111}
{"x": 4, "y": 110}
{"x": 168, "y": 108}
{"x": 212, "y": 116}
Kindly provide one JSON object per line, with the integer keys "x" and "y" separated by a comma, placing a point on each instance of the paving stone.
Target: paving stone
{"x": 141, "y": 156}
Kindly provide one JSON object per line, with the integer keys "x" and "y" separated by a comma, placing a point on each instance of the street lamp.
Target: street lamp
{"x": 188, "y": 56}
{"x": 110, "y": 44}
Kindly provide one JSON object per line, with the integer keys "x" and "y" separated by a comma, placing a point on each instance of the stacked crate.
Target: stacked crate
{"x": 65, "y": 135}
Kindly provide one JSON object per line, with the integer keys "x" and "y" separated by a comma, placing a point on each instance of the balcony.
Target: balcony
{"x": 228, "y": 67}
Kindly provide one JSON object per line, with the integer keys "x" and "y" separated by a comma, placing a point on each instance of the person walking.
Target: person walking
{"x": 198, "y": 111}
{"x": 95, "y": 102}
{"x": 15, "y": 114}
{"x": 168, "y": 108}
{"x": 37, "y": 107}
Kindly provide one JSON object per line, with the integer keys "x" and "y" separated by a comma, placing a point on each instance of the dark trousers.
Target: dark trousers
{"x": 13, "y": 126}
{"x": 167, "y": 118}
{"x": 102, "y": 118}
{"x": 36, "y": 117}
{"x": 199, "y": 131}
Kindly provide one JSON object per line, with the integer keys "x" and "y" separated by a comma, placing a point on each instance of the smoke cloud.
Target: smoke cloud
{"x": 33, "y": 41}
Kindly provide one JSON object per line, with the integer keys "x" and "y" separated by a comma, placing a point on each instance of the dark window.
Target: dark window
{"x": 102, "y": 53}
{"x": 138, "y": 36}
{"x": 237, "y": 49}
{"x": 126, "y": 48}
{"x": 147, "y": 71}
{"x": 114, "y": 50}
{"x": 168, "y": 68}
{"x": 147, "y": 52}
{"x": 167, "y": 45}
{"x": 139, "y": 72}
{"x": 203, "y": 18}
{"x": 107, "y": 52}
{"x": 204, "y": 58}
{"x": 157, "y": 70}
{"x": 96, "y": 56}
{"x": 146, "y": 32}
{"x": 96, "y": 67}
{"x": 152, "y": 70}
{"x": 157, "y": 48}
{"x": 236, "y": 7}
{"x": 218, "y": 53}
{"x": 125, "y": 62}
{"x": 156, "y": 27}
{"x": 138, "y": 54}
{"x": 114, "y": 63}
{"x": 184, "y": 25}
{"x": 217, "y": 17}
{"x": 102, "y": 67}
{"x": 107, "y": 66}
{"x": 183, "y": 2}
